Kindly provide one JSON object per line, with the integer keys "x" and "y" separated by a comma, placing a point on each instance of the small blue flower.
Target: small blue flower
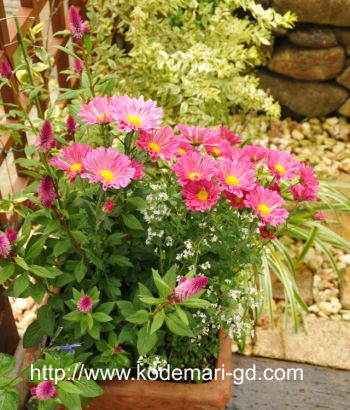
{"x": 69, "y": 348}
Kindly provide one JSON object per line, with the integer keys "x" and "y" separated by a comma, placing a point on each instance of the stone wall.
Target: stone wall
{"x": 309, "y": 69}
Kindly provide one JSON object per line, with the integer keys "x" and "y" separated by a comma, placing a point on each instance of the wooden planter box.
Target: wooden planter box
{"x": 150, "y": 395}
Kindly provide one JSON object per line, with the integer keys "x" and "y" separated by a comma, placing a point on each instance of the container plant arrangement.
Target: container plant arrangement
{"x": 149, "y": 241}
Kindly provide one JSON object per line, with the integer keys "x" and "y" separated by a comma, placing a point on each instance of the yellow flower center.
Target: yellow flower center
{"x": 181, "y": 151}
{"x": 280, "y": 169}
{"x": 194, "y": 175}
{"x": 203, "y": 195}
{"x": 231, "y": 180}
{"x": 76, "y": 167}
{"x": 101, "y": 117}
{"x": 107, "y": 175}
{"x": 134, "y": 119}
{"x": 153, "y": 146}
{"x": 216, "y": 151}
{"x": 264, "y": 209}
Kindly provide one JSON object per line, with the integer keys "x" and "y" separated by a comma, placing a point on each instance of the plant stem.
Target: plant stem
{"x": 29, "y": 69}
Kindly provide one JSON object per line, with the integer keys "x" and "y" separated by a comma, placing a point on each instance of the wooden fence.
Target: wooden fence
{"x": 29, "y": 13}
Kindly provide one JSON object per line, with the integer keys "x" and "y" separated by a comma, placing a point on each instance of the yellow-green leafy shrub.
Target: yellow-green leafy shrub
{"x": 196, "y": 58}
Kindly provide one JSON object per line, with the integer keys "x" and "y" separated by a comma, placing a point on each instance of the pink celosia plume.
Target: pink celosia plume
{"x": 46, "y": 192}
{"x": 189, "y": 287}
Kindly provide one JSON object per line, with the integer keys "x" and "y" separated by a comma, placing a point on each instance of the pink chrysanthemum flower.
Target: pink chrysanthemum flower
{"x": 99, "y": 110}
{"x": 189, "y": 287}
{"x": 282, "y": 165}
{"x": 107, "y": 166}
{"x": 219, "y": 149}
{"x": 71, "y": 125}
{"x": 236, "y": 176}
{"x": 136, "y": 113}
{"x": 307, "y": 189}
{"x": 46, "y": 192}
{"x": 255, "y": 153}
{"x": 194, "y": 167}
{"x": 108, "y": 206}
{"x": 78, "y": 66}
{"x": 45, "y": 390}
{"x": 230, "y": 136}
{"x": 201, "y": 195}
{"x": 268, "y": 205}
{"x": 70, "y": 160}
{"x": 5, "y": 247}
{"x": 138, "y": 169}
{"x": 193, "y": 136}
{"x": 5, "y": 69}
{"x": 11, "y": 234}
{"x": 85, "y": 304}
{"x": 183, "y": 149}
{"x": 320, "y": 216}
{"x": 234, "y": 200}
{"x": 159, "y": 143}
{"x": 76, "y": 24}
{"x": 45, "y": 140}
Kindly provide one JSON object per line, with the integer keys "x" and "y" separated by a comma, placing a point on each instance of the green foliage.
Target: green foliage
{"x": 196, "y": 58}
{"x": 9, "y": 397}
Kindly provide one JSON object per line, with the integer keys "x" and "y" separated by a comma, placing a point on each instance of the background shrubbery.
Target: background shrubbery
{"x": 194, "y": 57}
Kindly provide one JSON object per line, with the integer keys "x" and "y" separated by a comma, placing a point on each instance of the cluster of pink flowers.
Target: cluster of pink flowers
{"x": 44, "y": 391}
{"x": 6, "y": 242}
{"x": 132, "y": 114}
{"x": 209, "y": 163}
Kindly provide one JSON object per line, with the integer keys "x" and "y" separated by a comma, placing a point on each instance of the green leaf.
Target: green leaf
{"x": 20, "y": 285}
{"x": 163, "y": 288}
{"x": 145, "y": 341}
{"x": 138, "y": 318}
{"x": 36, "y": 249}
{"x": 126, "y": 308}
{"x": 132, "y": 222}
{"x": 21, "y": 262}
{"x": 181, "y": 315}
{"x": 69, "y": 400}
{"x": 46, "y": 320}
{"x": 80, "y": 271}
{"x": 106, "y": 307}
{"x": 151, "y": 301}
{"x": 69, "y": 52}
{"x": 73, "y": 316}
{"x": 170, "y": 276}
{"x": 61, "y": 247}
{"x": 137, "y": 202}
{"x": 45, "y": 272}
{"x": 7, "y": 364}
{"x": 95, "y": 331}
{"x": 6, "y": 273}
{"x": 116, "y": 238}
{"x": 308, "y": 243}
{"x": 195, "y": 303}
{"x": 101, "y": 317}
{"x": 33, "y": 335}
{"x": 176, "y": 326}
{"x": 158, "y": 321}
{"x": 88, "y": 388}
{"x": 69, "y": 387}
{"x": 120, "y": 260}
{"x": 9, "y": 399}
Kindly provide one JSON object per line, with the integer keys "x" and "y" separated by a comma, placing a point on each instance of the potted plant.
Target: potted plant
{"x": 149, "y": 242}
